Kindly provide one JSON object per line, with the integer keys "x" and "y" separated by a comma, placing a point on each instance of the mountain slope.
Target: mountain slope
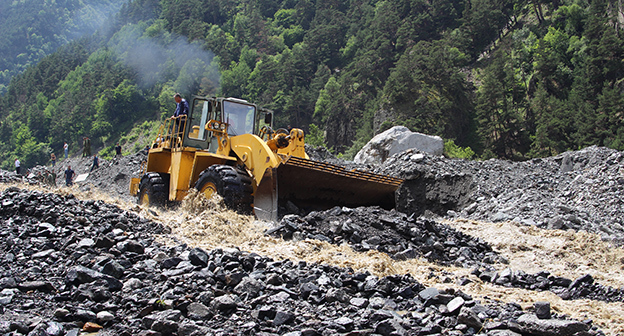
{"x": 510, "y": 80}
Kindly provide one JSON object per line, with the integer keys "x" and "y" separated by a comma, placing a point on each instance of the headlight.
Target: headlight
{"x": 223, "y": 127}
{"x": 215, "y": 125}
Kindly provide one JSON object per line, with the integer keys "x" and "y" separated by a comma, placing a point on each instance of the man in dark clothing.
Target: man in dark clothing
{"x": 179, "y": 116}
{"x": 182, "y": 106}
{"x": 69, "y": 176}
{"x": 118, "y": 150}
{"x": 96, "y": 162}
{"x": 86, "y": 150}
{"x": 88, "y": 147}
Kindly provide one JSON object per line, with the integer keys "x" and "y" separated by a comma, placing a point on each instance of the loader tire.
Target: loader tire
{"x": 154, "y": 189}
{"x": 231, "y": 183}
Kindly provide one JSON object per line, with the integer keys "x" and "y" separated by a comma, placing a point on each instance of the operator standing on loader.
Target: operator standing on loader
{"x": 182, "y": 106}
{"x": 182, "y": 109}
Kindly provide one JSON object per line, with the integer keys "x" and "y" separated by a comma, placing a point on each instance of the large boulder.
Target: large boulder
{"x": 396, "y": 140}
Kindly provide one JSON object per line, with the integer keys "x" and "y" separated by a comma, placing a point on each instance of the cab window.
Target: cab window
{"x": 240, "y": 117}
{"x": 197, "y": 130}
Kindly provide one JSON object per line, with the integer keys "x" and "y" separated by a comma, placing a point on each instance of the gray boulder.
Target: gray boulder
{"x": 396, "y": 140}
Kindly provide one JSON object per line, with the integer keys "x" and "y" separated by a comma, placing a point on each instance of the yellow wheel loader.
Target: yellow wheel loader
{"x": 228, "y": 146}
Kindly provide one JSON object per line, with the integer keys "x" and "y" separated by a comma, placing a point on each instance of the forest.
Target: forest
{"x": 510, "y": 79}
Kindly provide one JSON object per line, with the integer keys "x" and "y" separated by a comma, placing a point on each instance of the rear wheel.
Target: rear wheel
{"x": 233, "y": 184}
{"x": 154, "y": 189}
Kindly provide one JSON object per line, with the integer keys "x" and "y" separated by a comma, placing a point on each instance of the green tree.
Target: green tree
{"x": 233, "y": 81}
{"x": 501, "y": 107}
{"x": 429, "y": 94}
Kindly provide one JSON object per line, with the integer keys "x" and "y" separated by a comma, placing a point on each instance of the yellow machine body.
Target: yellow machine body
{"x": 276, "y": 162}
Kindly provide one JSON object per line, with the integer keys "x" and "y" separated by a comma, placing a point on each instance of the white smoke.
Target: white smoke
{"x": 159, "y": 60}
{"x": 93, "y": 16}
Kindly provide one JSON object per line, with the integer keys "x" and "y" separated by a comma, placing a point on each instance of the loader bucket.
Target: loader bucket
{"x": 314, "y": 185}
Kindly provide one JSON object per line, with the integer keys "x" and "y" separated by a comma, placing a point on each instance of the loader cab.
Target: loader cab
{"x": 242, "y": 118}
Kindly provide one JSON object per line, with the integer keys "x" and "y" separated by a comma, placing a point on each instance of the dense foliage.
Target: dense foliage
{"x": 33, "y": 29}
{"x": 508, "y": 79}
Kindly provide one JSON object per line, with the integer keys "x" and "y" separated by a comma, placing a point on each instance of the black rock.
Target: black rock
{"x": 585, "y": 279}
{"x": 113, "y": 269}
{"x": 468, "y": 317}
{"x": 283, "y": 317}
{"x": 43, "y": 286}
{"x": 224, "y": 303}
{"x": 542, "y": 310}
{"x": 198, "y": 257}
{"x": 531, "y": 324}
{"x": 198, "y": 311}
{"x": 170, "y": 262}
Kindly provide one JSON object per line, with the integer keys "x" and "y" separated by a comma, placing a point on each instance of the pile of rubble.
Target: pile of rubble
{"x": 69, "y": 265}
{"x": 36, "y": 175}
{"x": 399, "y": 235}
{"x": 579, "y": 190}
{"x": 583, "y": 287}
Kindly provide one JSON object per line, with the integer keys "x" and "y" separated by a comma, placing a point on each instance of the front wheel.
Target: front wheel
{"x": 233, "y": 184}
{"x": 154, "y": 189}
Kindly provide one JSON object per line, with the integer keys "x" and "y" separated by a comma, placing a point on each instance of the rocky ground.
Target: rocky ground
{"x": 404, "y": 237}
{"x": 93, "y": 258}
{"x": 392, "y": 232}
{"x": 112, "y": 176}
{"x": 580, "y": 190}
{"x": 70, "y": 265}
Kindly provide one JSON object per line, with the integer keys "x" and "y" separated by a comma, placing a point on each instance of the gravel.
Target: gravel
{"x": 69, "y": 265}
{"x": 584, "y": 287}
{"x": 579, "y": 190}
{"x": 400, "y": 236}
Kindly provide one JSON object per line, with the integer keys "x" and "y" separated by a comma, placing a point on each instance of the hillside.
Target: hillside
{"x": 509, "y": 79}
{"x": 32, "y": 30}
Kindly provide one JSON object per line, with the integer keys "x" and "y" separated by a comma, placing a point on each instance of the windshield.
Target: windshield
{"x": 240, "y": 117}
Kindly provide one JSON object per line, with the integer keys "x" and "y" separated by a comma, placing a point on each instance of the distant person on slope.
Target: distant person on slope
{"x": 96, "y": 162}
{"x": 53, "y": 159}
{"x": 118, "y": 150}
{"x": 66, "y": 149}
{"x": 17, "y": 166}
{"x": 69, "y": 176}
{"x": 86, "y": 147}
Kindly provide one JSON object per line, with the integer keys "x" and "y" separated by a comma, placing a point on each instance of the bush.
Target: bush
{"x": 315, "y": 136}
{"x": 451, "y": 150}
{"x": 352, "y": 151}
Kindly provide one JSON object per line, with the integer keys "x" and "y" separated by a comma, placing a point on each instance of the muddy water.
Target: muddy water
{"x": 205, "y": 223}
